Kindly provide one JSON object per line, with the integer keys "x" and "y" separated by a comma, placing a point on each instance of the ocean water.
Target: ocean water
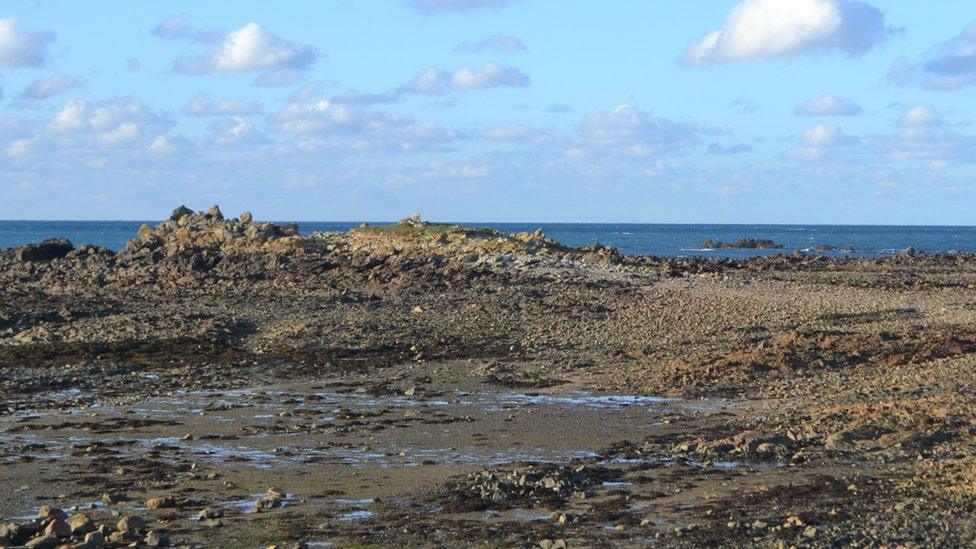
{"x": 629, "y": 238}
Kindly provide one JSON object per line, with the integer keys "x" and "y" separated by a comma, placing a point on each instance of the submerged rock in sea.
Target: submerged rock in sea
{"x": 742, "y": 243}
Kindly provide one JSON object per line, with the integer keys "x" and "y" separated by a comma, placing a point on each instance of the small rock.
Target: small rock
{"x": 156, "y": 539}
{"x": 45, "y": 541}
{"x": 58, "y": 528}
{"x": 131, "y": 523}
{"x": 810, "y": 531}
{"x": 80, "y": 524}
{"x": 164, "y": 502}
{"x": 410, "y": 392}
{"x": 209, "y": 513}
{"x": 49, "y": 511}
{"x": 246, "y": 217}
{"x": 215, "y": 213}
{"x": 94, "y": 539}
{"x": 112, "y": 498}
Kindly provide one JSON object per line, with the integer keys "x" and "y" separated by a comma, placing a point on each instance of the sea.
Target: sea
{"x": 673, "y": 240}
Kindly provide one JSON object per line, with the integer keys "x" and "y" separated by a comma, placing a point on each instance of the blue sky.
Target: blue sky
{"x": 776, "y": 111}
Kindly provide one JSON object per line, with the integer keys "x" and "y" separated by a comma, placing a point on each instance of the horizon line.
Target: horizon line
{"x": 491, "y": 223}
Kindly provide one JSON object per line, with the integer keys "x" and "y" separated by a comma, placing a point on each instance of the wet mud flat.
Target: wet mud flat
{"x": 346, "y": 462}
{"x": 319, "y": 463}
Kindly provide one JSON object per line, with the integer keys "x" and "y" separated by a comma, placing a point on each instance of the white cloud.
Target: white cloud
{"x": 72, "y": 118}
{"x": 436, "y": 82}
{"x": 630, "y": 131}
{"x": 948, "y": 66}
{"x": 43, "y": 88}
{"x": 826, "y": 135}
{"x": 828, "y": 105}
{"x": 115, "y": 122}
{"x": 817, "y": 140}
{"x": 165, "y": 145}
{"x": 324, "y": 116}
{"x": 22, "y": 147}
{"x": 250, "y": 48}
{"x": 235, "y": 132}
{"x": 919, "y": 117}
{"x": 430, "y": 6}
{"x": 22, "y": 48}
{"x": 766, "y": 29}
{"x": 492, "y": 75}
{"x": 497, "y": 42}
{"x": 204, "y": 105}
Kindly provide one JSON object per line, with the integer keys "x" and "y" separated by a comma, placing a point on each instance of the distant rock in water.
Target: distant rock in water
{"x": 742, "y": 243}
{"x": 45, "y": 250}
{"x": 824, "y": 247}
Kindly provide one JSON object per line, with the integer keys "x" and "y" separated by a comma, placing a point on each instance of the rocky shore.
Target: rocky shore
{"x": 225, "y": 382}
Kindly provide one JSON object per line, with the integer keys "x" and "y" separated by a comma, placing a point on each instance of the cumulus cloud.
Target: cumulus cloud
{"x": 250, "y": 48}
{"x": 20, "y": 47}
{"x": 919, "y": 117}
{"x": 950, "y": 65}
{"x": 828, "y": 105}
{"x": 204, "y": 105}
{"x": 826, "y": 135}
{"x": 497, "y": 42}
{"x": 431, "y": 6}
{"x": 817, "y": 140}
{"x": 630, "y": 131}
{"x": 165, "y": 145}
{"x": 115, "y": 122}
{"x": 235, "y": 132}
{"x": 437, "y": 82}
{"x": 324, "y": 116}
{"x": 768, "y": 29}
{"x": 43, "y": 88}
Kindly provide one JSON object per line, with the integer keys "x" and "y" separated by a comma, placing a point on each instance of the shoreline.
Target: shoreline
{"x": 424, "y": 384}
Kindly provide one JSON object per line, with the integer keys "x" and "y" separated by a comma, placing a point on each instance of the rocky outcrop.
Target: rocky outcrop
{"x": 186, "y": 229}
{"x": 45, "y": 250}
{"x": 742, "y": 243}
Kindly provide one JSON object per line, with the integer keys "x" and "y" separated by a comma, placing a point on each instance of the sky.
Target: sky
{"x": 701, "y": 111}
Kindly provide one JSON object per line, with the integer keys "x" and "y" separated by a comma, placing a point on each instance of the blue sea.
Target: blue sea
{"x": 629, "y": 238}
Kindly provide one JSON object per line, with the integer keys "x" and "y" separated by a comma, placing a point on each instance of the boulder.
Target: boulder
{"x": 58, "y": 528}
{"x": 214, "y": 213}
{"x": 130, "y": 523}
{"x": 179, "y": 213}
{"x": 45, "y": 250}
{"x": 80, "y": 524}
{"x": 246, "y": 217}
{"x": 164, "y": 502}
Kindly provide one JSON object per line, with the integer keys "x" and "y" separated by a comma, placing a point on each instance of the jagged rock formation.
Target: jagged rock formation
{"x": 742, "y": 243}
